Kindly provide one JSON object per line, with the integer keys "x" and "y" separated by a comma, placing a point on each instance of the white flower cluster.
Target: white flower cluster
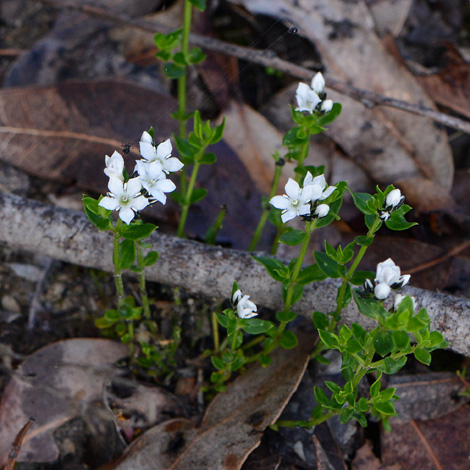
{"x": 312, "y": 98}
{"x": 298, "y": 201}
{"x": 245, "y": 307}
{"x": 128, "y": 197}
{"x": 388, "y": 277}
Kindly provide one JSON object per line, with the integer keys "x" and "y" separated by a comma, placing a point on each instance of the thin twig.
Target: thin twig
{"x": 268, "y": 58}
{"x": 16, "y": 446}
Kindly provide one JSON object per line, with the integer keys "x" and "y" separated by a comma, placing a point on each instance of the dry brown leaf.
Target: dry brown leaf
{"x": 366, "y": 460}
{"x": 437, "y": 444}
{"x": 323, "y": 462}
{"x": 343, "y": 34}
{"x": 233, "y": 424}
{"x": 54, "y": 385}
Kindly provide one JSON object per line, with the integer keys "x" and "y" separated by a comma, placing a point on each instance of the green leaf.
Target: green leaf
{"x": 401, "y": 340}
{"x": 346, "y": 415}
{"x": 97, "y": 215}
{"x": 208, "y": 158}
{"x": 422, "y": 356}
{"x": 151, "y": 258}
{"x": 387, "y": 394}
{"x": 361, "y": 200}
{"x": 368, "y": 307}
{"x": 359, "y": 277}
{"x": 185, "y": 149}
{"x": 329, "y": 339}
{"x": 197, "y": 195}
{"x": 235, "y": 339}
{"x": 265, "y": 360}
{"x": 168, "y": 41}
{"x": 276, "y": 269}
{"x": 361, "y": 419}
{"x": 126, "y": 254}
{"x": 180, "y": 59}
{"x": 297, "y": 292}
{"x": 256, "y": 326}
{"x": 292, "y": 237}
{"x": 375, "y": 387}
{"x": 218, "y": 363}
{"x": 320, "y": 396}
{"x": 217, "y": 133}
{"x": 392, "y": 366}
{"x": 385, "y": 408}
{"x": 104, "y": 322}
{"x": 199, "y": 4}
{"x": 286, "y": 316}
{"x": 436, "y": 339}
{"x": 311, "y": 273}
{"x": 288, "y": 340}
{"x": 135, "y": 231}
{"x": 353, "y": 346}
{"x": 383, "y": 343}
{"x": 335, "y": 388}
{"x": 331, "y": 116}
{"x": 346, "y": 297}
{"x": 330, "y": 267}
{"x": 222, "y": 319}
{"x": 397, "y": 221}
{"x": 320, "y": 320}
{"x": 173, "y": 71}
{"x": 362, "y": 240}
{"x": 357, "y": 331}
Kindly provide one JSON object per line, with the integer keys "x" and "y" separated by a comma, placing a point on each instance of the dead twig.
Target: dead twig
{"x": 16, "y": 446}
{"x": 268, "y": 59}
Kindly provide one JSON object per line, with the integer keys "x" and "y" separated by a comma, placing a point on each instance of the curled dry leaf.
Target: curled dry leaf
{"x": 53, "y": 385}
{"x": 233, "y": 424}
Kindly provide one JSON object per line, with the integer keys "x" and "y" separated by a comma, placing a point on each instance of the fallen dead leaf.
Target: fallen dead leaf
{"x": 233, "y": 424}
{"x": 389, "y": 17}
{"x": 366, "y": 460}
{"x": 58, "y": 383}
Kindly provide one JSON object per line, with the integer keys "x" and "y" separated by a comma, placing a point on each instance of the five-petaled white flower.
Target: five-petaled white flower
{"x": 154, "y": 180}
{"x": 388, "y": 277}
{"x": 296, "y": 201}
{"x": 114, "y": 166}
{"x": 124, "y": 197}
{"x": 245, "y": 307}
{"x": 160, "y": 153}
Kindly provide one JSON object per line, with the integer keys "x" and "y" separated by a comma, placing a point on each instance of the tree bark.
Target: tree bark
{"x": 200, "y": 269}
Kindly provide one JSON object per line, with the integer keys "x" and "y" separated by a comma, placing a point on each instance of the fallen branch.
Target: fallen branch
{"x": 200, "y": 269}
{"x": 268, "y": 59}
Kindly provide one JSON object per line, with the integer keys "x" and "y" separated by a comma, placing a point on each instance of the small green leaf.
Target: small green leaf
{"x": 320, "y": 320}
{"x": 217, "y": 133}
{"x": 256, "y": 326}
{"x": 292, "y": 237}
{"x": 222, "y": 319}
{"x": 392, "y": 366}
{"x": 276, "y": 269}
{"x": 151, "y": 258}
{"x": 333, "y": 387}
{"x": 173, "y": 71}
{"x": 208, "y": 158}
{"x": 311, "y": 273}
{"x": 329, "y": 339}
{"x": 136, "y": 232}
{"x": 353, "y": 346}
{"x": 288, "y": 340}
{"x": 401, "y": 340}
{"x": 104, "y": 322}
{"x": 422, "y": 356}
{"x": 199, "y": 4}
{"x": 331, "y": 116}
{"x": 197, "y": 195}
{"x": 126, "y": 254}
{"x": 361, "y": 200}
{"x": 387, "y": 394}
{"x": 297, "y": 292}
{"x": 346, "y": 415}
{"x": 357, "y": 331}
{"x": 385, "y": 408}
{"x": 375, "y": 387}
{"x": 436, "y": 339}
{"x": 383, "y": 343}
{"x": 320, "y": 396}
{"x": 359, "y": 277}
{"x": 218, "y": 363}
{"x": 330, "y": 267}
{"x": 398, "y": 222}
{"x": 286, "y": 316}
{"x": 265, "y": 360}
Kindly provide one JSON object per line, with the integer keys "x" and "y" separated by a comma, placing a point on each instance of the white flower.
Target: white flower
{"x": 318, "y": 181}
{"x": 388, "y": 276}
{"x": 318, "y": 83}
{"x": 394, "y": 198}
{"x": 326, "y": 106}
{"x": 154, "y": 181}
{"x": 245, "y": 308}
{"x": 322, "y": 210}
{"x": 114, "y": 166}
{"x": 124, "y": 197}
{"x": 307, "y": 99}
{"x": 161, "y": 153}
{"x": 296, "y": 201}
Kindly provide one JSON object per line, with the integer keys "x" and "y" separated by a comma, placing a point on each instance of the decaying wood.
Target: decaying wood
{"x": 200, "y": 269}
{"x": 268, "y": 59}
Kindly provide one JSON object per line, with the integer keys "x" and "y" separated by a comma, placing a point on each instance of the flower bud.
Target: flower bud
{"x": 393, "y": 198}
{"x": 318, "y": 83}
{"x": 322, "y": 210}
{"x": 382, "y": 291}
{"x": 326, "y": 106}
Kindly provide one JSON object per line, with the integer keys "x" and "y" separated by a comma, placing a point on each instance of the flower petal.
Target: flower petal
{"x": 292, "y": 189}
{"x": 327, "y": 192}
{"x": 320, "y": 180}
{"x": 139, "y": 203}
{"x": 382, "y": 291}
{"x": 147, "y": 150}
{"x": 281, "y": 202}
{"x": 126, "y": 214}
{"x": 289, "y": 215}
{"x": 109, "y": 203}
{"x": 146, "y": 137}
{"x": 318, "y": 83}
{"x": 172, "y": 164}
{"x": 134, "y": 185}
{"x": 164, "y": 149}
{"x": 165, "y": 185}
{"x": 116, "y": 186}
{"x": 308, "y": 179}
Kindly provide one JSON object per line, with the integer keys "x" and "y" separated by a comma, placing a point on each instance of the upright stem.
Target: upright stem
{"x": 187, "y": 202}
{"x": 264, "y": 216}
{"x": 302, "y": 158}
{"x": 117, "y": 270}
{"x": 182, "y": 80}
{"x": 215, "y": 333}
{"x": 142, "y": 284}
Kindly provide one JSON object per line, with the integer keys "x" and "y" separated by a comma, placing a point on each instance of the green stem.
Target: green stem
{"x": 117, "y": 271}
{"x": 310, "y": 423}
{"x": 215, "y": 333}
{"x": 264, "y": 216}
{"x": 182, "y": 89}
{"x": 142, "y": 283}
{"x": 303, "y": 156}
{"x": 277, "y": 240}
{"x": 309, "y": 227}
{"x": 187, "y": 199}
